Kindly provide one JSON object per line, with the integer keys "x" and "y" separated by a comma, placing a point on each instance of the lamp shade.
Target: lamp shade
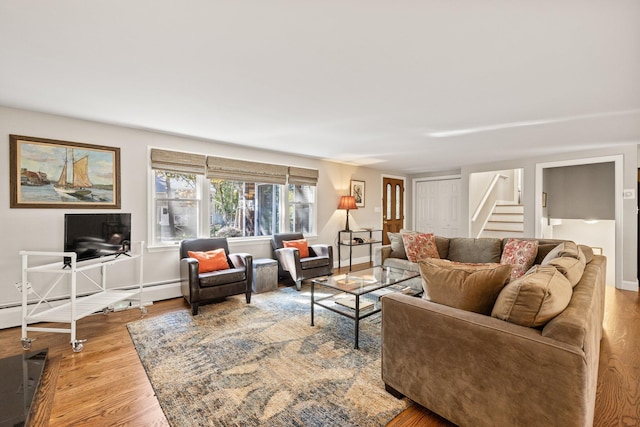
{"x": 347, "y": 202}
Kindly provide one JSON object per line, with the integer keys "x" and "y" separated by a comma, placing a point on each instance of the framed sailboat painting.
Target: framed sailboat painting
{"x": 47, "y": 173}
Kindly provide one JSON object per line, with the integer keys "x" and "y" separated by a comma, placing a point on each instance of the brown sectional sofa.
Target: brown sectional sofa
{"x": 477, "y": 370}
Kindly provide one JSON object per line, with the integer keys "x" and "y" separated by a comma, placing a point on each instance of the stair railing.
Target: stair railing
{"x": 488, "y": 195}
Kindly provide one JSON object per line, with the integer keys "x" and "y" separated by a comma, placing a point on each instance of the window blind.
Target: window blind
{"x": 303, "y": 176}
{"x": 176, "y": 161}
{"x": 242, "y": 170}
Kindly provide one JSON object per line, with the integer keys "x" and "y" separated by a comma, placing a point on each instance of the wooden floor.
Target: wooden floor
{"x": 106, "y": 385}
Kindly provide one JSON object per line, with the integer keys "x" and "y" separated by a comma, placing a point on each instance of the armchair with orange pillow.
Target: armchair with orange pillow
{"x": 209, "y": 272}
{"x": 297, "y": 260}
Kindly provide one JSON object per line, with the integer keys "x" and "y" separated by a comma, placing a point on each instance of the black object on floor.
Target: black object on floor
{"x": 20, "y": 380}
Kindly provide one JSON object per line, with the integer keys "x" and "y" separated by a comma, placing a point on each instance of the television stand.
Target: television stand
{"x": 76, "y": 307}
{"x": 123, "y": 253}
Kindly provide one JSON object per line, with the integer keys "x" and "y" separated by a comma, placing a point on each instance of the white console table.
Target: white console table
{"x": 77, "y": 306}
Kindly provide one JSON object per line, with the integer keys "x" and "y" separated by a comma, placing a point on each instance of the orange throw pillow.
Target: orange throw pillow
{"x": 211, "y": 260}
{"x": 301, "y": 244}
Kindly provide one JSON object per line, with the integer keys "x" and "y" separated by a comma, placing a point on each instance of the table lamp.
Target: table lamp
{"x": 347, "y": 202}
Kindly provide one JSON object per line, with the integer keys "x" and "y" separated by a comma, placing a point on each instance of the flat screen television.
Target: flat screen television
{"x": 96, "y": 235}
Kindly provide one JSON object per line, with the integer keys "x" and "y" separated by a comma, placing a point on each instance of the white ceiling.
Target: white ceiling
{"x": 411, "y": 86}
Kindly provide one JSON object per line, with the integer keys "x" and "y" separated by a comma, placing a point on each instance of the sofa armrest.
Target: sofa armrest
{"x": 477, "y": 370}
{"x": 189, "y": 278}
{"x": 242, "y": 260}
{"x": 380, "y": 253}
{"x": 289, "y": 260}
{"x": 323, "y": 250}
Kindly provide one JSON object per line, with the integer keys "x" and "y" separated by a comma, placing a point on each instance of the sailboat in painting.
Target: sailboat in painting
{"x": 79, "y": 185}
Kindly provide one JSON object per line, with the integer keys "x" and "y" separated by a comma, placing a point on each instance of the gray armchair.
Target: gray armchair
{"x": 291, "y": 266}
{"x": 198, "y": 288}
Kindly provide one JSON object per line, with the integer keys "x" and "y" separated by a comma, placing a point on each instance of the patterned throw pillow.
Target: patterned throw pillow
{"x": 519, "y": 253}
{"x": 211, "y": 260}
{"x": 301, "y": 244}
{"x": 420, "y": 246}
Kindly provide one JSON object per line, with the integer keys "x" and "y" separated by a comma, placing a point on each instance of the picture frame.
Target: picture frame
{"x": 357, "y": 189}
{"x": 48, "y": 173}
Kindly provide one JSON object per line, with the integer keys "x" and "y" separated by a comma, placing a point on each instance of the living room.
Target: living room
{"x": 605, "y": 126}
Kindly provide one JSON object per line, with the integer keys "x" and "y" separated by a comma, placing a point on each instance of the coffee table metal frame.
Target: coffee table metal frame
{"x": 369, "y": 284}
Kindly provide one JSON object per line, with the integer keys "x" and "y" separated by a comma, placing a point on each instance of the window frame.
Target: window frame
{"x": 204, "y": 212}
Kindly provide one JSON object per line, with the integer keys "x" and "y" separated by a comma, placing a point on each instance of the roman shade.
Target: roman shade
{"x": 303, "y": 176}
{"x": 242, "y": 170}
{"x": 176, "y": 161}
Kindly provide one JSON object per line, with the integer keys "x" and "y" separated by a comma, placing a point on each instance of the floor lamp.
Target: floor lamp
{"x": 347, "y": 203}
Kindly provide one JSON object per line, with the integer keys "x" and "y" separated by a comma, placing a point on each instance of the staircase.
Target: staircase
{"x": 506, "y": 220}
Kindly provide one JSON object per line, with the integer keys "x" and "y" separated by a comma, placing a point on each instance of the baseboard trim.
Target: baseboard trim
{"x": 12, "y": 316}
{"x": 354, "y": 261}
{"x": 628, "y": 285}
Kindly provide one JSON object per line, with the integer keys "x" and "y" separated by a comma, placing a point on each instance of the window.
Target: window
{"x": 187, "y": 204}
{"x": 176, "y": 207}
{"x": 243, "y": 209}
{"x": 301, "y": 208}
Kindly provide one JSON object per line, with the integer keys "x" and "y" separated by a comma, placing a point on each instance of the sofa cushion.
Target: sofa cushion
{"x": 535, "y": 298}
{"x": 403, "y": 264}
{"x": 587, "y": 251}
{"x": 543, "y": 250}
{"x": 443, "y": 246}
{"x": 567, "y": 248}
{"x": 467, "y": 249}
{"x": 397, "y": 245}
{"x": 314, "y": 262}
{"x": 520, "y": 254}
{"x": 420, "y": 246}
{"x": 468, "y": 287}
{"x": 300, "y": 244}
{"x": 223, "y": 277}
{"x": 213, "y": 260}
{"x": 569, "y": 267}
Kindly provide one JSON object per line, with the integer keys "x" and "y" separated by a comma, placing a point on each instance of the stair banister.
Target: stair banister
{"x": 486, "y": 195}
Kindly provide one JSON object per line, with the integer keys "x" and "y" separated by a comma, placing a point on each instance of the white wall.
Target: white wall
{"x": 42, "y": 229}
{"x": 629, "y": 153}
{"x": 479, "y": 183}
{"x": 598, "y": 235}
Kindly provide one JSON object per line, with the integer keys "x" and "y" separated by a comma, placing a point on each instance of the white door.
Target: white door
{"x": 438, "y": 207}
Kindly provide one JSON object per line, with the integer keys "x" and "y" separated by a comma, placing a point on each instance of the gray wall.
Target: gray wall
{"x": 580, "y": 191}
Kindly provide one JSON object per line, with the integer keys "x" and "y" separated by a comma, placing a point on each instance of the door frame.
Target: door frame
{"x": 404, "y": 199}
{"x": 618, "y": 161}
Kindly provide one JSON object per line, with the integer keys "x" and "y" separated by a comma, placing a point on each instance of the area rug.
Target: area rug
{"x": 262, "y": 364}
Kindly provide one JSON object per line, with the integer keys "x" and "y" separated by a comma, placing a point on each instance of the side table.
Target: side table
{"x": 355, "y": 240}
{"x": 265, "y": 275}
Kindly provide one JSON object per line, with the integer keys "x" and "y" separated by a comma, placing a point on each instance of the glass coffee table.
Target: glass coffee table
{"x": 358, "y": 292}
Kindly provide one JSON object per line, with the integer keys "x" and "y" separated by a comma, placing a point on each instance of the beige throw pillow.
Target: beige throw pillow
{"x": 570, "y": 267}
{"x": 397, "y": 246}
{"x": 569, "y": 259}
{"x": 569, "y": 249}
{"x": 535, "y": 298}
{"x": 465, "y": 286}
